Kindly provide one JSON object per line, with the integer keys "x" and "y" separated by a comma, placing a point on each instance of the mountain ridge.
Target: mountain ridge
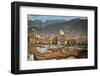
{"x": 53, "y": 26}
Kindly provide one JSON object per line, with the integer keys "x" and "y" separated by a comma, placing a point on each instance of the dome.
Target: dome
{"x": 61, "y": 32}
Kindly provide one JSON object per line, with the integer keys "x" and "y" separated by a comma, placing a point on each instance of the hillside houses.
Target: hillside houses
{"x": 57, "y": 46}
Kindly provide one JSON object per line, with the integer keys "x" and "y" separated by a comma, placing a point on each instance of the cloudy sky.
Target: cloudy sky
{"x": 48, "y": 17}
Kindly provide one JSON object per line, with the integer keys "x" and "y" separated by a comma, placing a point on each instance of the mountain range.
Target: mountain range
{"x": 75, "y": 26}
